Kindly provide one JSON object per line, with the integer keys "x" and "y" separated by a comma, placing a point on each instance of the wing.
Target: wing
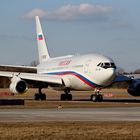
{"x": 33, "y": 77}
{"x": 128, "y": 77}
{"x": 122, "y": 78}
{"x": 15, "y": 66}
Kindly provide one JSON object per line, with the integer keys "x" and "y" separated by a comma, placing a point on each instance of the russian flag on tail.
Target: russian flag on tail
{"x": 40, "y": 37}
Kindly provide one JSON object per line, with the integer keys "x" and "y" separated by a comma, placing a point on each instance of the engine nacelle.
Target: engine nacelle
{"x": 18, "y": 86}
{"x": 134, "y": 88}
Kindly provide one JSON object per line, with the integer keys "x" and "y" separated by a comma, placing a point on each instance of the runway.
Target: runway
{"x": 86, "y": 114}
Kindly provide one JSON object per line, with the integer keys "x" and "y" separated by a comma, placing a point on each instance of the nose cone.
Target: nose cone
{"x": 106, "y": 77}
{"x": 109, "y": 76}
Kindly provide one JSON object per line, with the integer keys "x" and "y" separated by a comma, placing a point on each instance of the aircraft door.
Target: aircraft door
{"x": 86, "y": 67}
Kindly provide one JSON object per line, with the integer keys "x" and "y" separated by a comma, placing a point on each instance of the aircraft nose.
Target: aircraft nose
{"x": 109, "y": 76}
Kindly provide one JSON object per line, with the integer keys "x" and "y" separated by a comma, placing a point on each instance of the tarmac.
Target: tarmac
{"x": 71, "y": 114}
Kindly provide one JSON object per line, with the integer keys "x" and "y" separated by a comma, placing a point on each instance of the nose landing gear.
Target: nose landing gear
{"x": 97, "y": 97}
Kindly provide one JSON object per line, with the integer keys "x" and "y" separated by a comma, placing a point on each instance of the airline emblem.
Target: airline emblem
{"x": 64, "y": 63}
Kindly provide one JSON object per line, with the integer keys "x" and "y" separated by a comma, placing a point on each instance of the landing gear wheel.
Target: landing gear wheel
{"x": 66, "y": 96}
{"x": 69, "y": 97}
{"x": 63, "y": 97}
{"x": 43, "y": 97}
{"x": 96, "y": 98}
{"x": 93, "y": 98}
{"x": 100, "y": 98}
{"x": 37, "y": 96}
{"x": 40, "y": 96}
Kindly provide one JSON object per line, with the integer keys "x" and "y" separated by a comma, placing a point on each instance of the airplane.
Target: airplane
{"x": 88, "y": 72}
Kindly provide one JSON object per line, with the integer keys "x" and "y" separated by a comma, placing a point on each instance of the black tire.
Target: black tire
{"x": 93, "y": 98}
{"x": 63, "y": 97}
{"x": 96, "y": 98}
{"x": 100, "y": 98}
{"x": 37, "y": 96}
{"x": 43, "y": 96}
{"x": 69, "y": 97}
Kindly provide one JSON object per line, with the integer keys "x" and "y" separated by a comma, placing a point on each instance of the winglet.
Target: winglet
{"x": 42, "y": 47}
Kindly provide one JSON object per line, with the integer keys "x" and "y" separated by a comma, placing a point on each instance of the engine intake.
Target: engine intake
{"x": 18, "y": 86}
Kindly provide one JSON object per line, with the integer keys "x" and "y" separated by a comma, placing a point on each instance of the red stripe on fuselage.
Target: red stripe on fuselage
{"x": 82, "y": 79}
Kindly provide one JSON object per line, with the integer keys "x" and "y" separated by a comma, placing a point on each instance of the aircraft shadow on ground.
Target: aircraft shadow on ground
{"x": 122, "y": 100}
{"x": 116, "y": 100}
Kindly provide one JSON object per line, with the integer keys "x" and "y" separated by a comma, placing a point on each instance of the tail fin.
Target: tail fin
{"x": 42, "y": 47}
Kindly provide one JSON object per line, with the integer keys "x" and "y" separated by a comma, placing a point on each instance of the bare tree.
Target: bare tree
{"x": 137, "y": 71}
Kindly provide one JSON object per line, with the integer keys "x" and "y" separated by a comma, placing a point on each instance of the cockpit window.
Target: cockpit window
{"x": 113, "y": 65}
{"x": 99, "y": 64}
{"x": 107, "y": 65}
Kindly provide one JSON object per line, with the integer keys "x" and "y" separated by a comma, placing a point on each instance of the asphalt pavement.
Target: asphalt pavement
{"x": 71, "y": 114}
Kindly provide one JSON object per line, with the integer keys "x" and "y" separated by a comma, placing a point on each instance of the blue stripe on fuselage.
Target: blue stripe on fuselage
{"x": 81, "y": 77}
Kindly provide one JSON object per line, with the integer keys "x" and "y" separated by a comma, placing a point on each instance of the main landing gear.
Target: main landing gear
{"x": 97, "y": 97}
{"x": 66, "y": 96}
{"x": 40, "y": 95}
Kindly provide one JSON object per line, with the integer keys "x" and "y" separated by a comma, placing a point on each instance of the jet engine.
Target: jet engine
{"x": 134, "y": 88}
{"x": 18, "y": 86}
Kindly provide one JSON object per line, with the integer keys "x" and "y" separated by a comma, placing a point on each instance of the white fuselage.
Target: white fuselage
{"x": 81, "y": 72}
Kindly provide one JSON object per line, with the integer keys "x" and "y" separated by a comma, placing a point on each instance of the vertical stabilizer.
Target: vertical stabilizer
{"x": 42, "y": 47}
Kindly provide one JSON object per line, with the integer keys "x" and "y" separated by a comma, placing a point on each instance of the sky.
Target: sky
{"x": 109, "y": 27}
